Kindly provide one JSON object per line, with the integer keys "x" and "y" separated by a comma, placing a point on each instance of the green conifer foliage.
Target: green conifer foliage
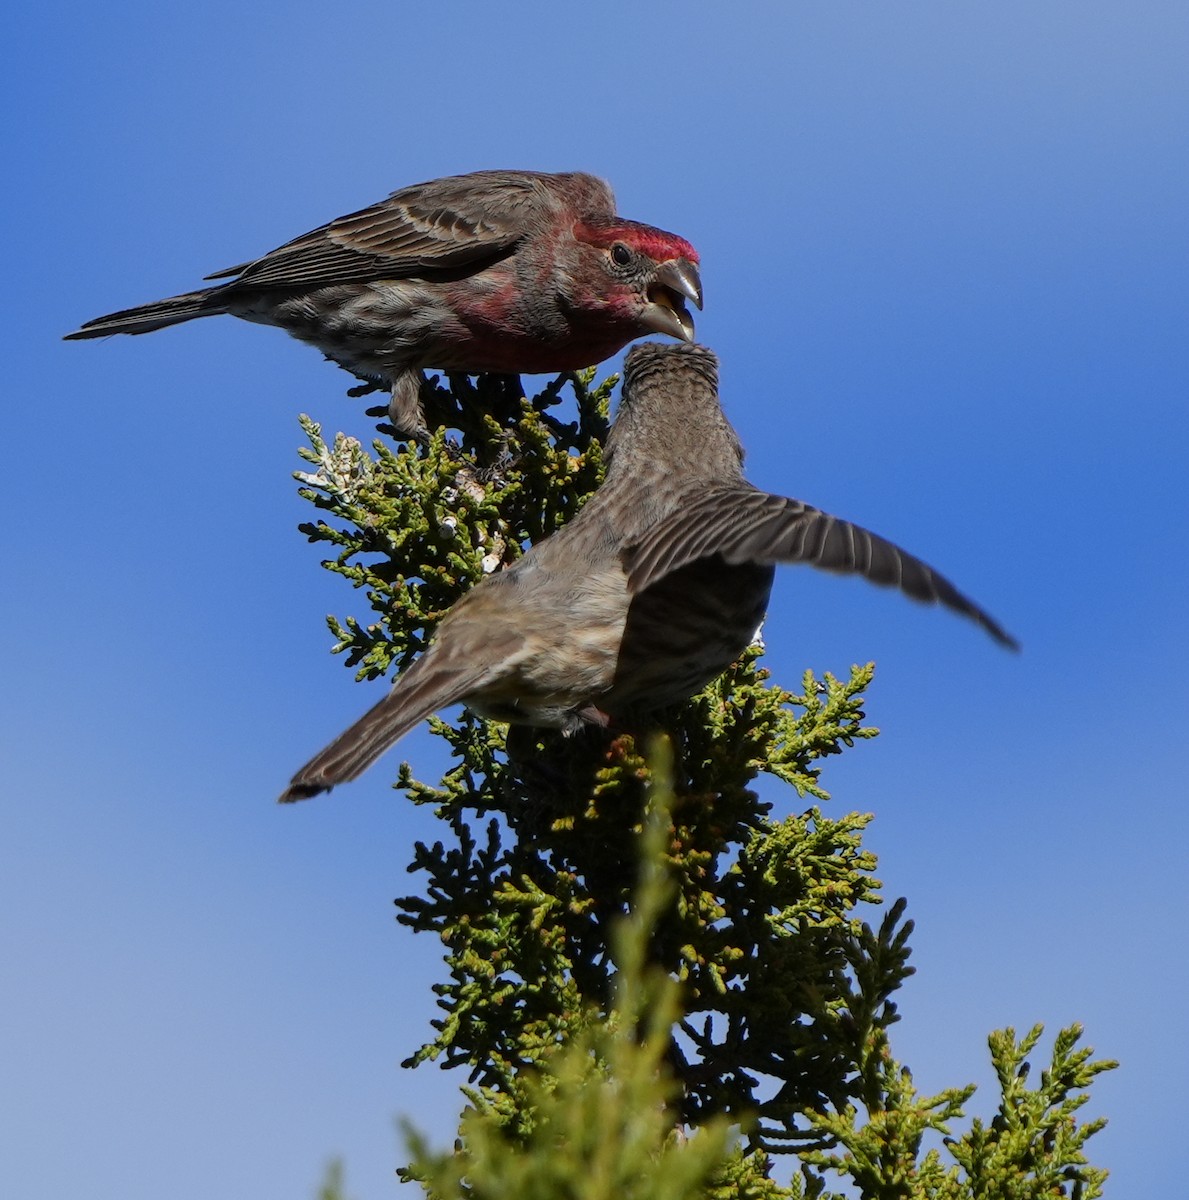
{"x": 781, "y": 999}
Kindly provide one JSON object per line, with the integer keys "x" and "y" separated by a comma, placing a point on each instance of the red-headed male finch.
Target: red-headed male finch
{"x": 503, "y": 271}
{"x": 651, "y": 591}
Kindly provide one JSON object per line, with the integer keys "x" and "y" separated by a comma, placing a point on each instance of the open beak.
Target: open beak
{"x": 673, "y": 283}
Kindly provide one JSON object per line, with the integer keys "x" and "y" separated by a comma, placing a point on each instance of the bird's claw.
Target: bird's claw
{"x": 366, "y": 388}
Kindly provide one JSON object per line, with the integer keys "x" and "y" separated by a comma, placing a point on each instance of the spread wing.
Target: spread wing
{"x": 744, "y": 524}
{"x": 464, "y": 221}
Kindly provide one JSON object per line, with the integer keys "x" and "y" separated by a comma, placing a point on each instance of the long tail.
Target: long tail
{"x": 429, "y": 684}
{"x": 147, "y": 317}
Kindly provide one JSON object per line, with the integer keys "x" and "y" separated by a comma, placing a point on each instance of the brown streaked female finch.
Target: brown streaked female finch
{"x": 502, "y": 271}
{"x": 651, "y": 591}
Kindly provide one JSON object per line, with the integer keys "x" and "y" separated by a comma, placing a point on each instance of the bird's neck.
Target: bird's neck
{"x": 662, "y": 442}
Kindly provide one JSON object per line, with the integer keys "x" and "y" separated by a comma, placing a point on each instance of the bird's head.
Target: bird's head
{"x": 669, "y": 422}
{"x": 648, "y": 274}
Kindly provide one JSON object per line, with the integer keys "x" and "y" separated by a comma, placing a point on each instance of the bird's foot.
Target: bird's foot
{"x": 590, "y": 715}
{"x": 403, "y": 410}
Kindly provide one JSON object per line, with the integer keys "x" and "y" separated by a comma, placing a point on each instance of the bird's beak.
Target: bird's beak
{"x": 672, "y": 284}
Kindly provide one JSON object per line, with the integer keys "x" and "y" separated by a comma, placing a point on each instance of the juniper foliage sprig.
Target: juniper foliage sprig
{"x": 601, "y": 1125}
{"x": 603, "y": 1101}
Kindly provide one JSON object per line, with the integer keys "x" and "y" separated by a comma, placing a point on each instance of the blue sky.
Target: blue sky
{"x": 944, "y": 254}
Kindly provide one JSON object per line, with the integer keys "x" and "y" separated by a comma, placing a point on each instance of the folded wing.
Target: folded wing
{"x": 463, "y": 222}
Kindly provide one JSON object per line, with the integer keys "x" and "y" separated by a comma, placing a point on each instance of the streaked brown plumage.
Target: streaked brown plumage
{"x": 653, "y": 589}
{"x": 504, "y": 271}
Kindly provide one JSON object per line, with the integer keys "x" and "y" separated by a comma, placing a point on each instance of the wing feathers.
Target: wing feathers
{"x": 744, "y": 524}
{"x": 442, "y": 225}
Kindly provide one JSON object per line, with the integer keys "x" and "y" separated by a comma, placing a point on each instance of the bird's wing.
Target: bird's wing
{"x": 746, "y": 525}
{"x": 446, "y": 224}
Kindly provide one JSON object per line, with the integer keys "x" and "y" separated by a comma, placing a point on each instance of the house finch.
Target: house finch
{"x": 504, "y": 271}
{"x": 653, "y": 589}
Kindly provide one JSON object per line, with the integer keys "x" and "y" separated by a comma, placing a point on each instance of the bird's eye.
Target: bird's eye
{"x": 620, "y": 254}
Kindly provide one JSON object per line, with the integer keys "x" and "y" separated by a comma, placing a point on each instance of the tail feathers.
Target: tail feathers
{"x": 417, "y": 694}
{"x": 147, "y": 317}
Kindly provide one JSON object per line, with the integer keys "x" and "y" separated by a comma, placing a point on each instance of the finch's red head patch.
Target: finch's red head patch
{"x": 657, "y": 244}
